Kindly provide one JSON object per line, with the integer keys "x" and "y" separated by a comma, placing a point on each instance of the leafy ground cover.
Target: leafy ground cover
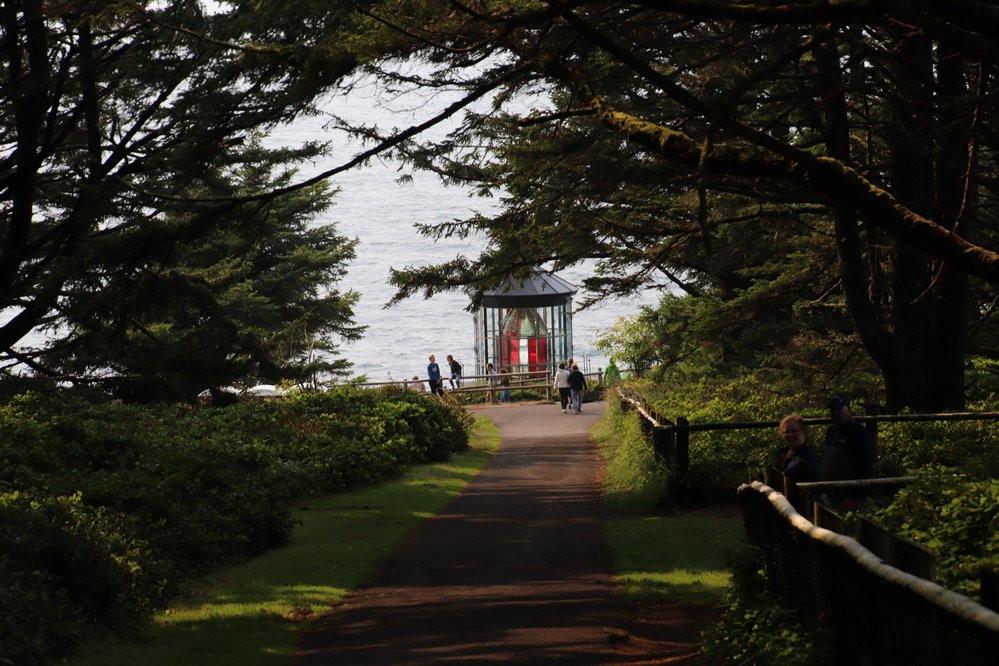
{"x": 719, "y": 459}
{"x": 756, "y": 627}
{"x": 635, "y": 480}
{"x": 250, "y": 614}
{"x": 107, "y": 510}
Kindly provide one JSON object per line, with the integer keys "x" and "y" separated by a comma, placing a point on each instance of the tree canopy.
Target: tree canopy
{"x": 129, "y": 195}
{"x": 771, "y": 156}
{"x": 791, "y": 165}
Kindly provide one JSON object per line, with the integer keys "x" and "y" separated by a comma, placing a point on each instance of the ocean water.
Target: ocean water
{"x": 374, "y": 207}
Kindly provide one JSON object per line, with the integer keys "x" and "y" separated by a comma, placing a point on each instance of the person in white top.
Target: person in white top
{"x": 562, "y": 384}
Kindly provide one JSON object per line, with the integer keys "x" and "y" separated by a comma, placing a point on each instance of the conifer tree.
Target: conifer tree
{"x": 761, "y": 154}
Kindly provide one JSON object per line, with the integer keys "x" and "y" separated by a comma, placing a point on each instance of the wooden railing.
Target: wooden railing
{"x": 490, "y": 384}
{"x": 876, "y": 613}
{"x": 671, "y": 442}
{"x": 806, "y": 498}
{"x": 671, "y": 439}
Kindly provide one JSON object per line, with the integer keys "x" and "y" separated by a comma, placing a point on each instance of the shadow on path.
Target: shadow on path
{"x": 515, "y": 570}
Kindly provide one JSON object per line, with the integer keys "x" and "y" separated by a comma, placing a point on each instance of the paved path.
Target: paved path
{"x": 515, "y": 570}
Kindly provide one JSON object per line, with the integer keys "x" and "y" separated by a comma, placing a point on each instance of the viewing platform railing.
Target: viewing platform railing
{"x": 491, "y": 384}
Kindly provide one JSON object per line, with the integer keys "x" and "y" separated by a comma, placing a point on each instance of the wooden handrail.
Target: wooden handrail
{"x": 519, "y": 376}
{"x": 862, "y": 418}
{"x": 932, "y": 593}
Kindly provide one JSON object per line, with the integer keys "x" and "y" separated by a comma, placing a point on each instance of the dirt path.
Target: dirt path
{"x": 515, "y": 570}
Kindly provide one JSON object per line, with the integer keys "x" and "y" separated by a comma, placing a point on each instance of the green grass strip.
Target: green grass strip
{"x": 249, "y": 615}
{"x": 678, "y": 559}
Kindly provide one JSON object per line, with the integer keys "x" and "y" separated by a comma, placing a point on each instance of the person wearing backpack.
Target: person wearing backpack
{"x": 504, "y": 382}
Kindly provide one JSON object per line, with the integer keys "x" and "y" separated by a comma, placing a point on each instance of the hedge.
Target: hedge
{"x": 107, "y": 510}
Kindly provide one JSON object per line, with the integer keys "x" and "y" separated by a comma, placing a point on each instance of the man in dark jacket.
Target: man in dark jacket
{"x": 455, "y": 369}
{"x": 848, "y": 452}
{"x": 577, "y": 384}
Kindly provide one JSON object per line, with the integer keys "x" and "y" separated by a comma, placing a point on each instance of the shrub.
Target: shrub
{"x": 108, "y": 509}
{"x": 719, "y": 459}
{"x": 754, "y": 627}
{"x": 903, "y": 448}
{"x": 636, "y": 479}
{"x": 68, "y": 569}
{"x": 955, "y": 518}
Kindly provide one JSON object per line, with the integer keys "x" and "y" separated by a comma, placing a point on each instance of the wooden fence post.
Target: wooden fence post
{"x": 827, "y": 518}
{"x": 682, "y": 445}
{"x": 872, "y": 430}
{"x": 663, "y": 443}
{"x": 990, "y": 589}
{"x": 646, "y": 427}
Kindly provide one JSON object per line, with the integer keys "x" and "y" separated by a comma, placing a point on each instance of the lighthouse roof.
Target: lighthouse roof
{"x": 538, "y": 289}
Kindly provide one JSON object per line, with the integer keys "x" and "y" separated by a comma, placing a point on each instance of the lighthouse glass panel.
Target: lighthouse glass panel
{"x": 523, "y": 339}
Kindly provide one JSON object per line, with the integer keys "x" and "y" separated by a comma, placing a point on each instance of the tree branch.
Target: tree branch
{"x": 829, "y": 176}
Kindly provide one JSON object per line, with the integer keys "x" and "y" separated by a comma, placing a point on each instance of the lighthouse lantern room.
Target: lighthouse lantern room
{"x": 525, "y": 325}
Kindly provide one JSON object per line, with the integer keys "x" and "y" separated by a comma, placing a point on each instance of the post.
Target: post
{"x": 871, "y": 425}
{"x": 791, "y": 493}
{"x": 827, "y": 518}
{"x": 663, "y": 442}
{"x": 872, "y": 430}
{"x": 990, "y": 589}
{"x": 600, "y": 376}
{"x": 682, "y": 445}
{"x": 646, "y": 427}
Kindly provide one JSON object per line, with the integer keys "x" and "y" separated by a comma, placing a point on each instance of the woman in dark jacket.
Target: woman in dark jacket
{"x": 798, "y": 460}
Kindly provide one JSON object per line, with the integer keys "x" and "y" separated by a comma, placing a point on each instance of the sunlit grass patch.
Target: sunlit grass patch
{"x": 679, "y": 585}
{"x": 673, "y": 558}
{"x": 253, "y": 614}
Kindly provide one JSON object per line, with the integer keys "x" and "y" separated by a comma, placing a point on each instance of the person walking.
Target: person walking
{"x": 504, "y": 382}
{"x": 491, "y": 383}
{"x": 455, "y": 369}
{"x": 577, "y": 384}
{"x": 612, "y": 374}
{"x": 434, "y": 376}
{"x": 562, "y": 384}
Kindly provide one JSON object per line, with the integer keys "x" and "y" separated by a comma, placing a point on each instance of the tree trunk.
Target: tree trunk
{"x": 909, "y": 311}
{"x": 955, "y": 206}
